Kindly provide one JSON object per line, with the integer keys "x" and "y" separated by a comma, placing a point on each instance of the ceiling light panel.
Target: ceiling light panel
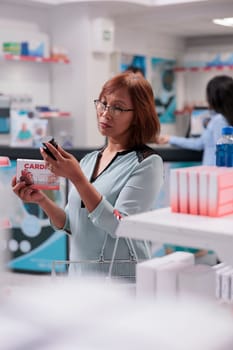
{"x": 227, "y": 22}
{"x": 172, "y": 2}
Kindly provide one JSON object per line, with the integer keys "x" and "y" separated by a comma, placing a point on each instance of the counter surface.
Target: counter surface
{"x": 168, "y": 153}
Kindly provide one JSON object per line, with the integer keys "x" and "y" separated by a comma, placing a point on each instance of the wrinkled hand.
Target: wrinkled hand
{"x": 65, "y": 165}
{"x": 25, "y": 192}
{"x": 163, "y": 139}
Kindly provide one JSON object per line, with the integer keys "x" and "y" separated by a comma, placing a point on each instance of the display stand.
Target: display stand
{"x": 164, "y": 226}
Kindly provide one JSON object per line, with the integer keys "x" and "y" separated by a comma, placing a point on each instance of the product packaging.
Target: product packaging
{"x": 197, "y": 280}
{"x": 226, "y": 285}
{"x": 220, "y": 198}
{"x": 194, "y": 183}
{"x": 220, "y": 269}
{"x": 174, "y": 191}
{"x": 36, "y": 173}
{"x": 157, "y": 277}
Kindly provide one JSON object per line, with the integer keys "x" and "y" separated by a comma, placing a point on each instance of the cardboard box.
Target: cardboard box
{"x": 226, "y": 285}
{"x": 220, "y": 193}
{"x": 219, "y": 270}
{"x": 194, "y": 183}
{"x": 197, "y": 280}
{"x": 174, "y": 190}
{"x": 203, "y": 192}
{"x": 36, "y": 173}
{"x": 157, "y": 277}
{"x": 184, "y": 189}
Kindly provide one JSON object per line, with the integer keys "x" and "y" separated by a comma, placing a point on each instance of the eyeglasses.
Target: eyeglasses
{"x": 114, "y": 111}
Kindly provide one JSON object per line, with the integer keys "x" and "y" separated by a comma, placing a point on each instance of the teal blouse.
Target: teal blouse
{"x": 130, "y": 185}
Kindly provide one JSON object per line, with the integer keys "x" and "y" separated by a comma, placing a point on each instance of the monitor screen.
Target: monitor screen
{"x": 200, "y": 117}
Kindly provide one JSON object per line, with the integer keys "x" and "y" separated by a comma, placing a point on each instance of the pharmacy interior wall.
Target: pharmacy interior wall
{"x": 20, "y": 77}
{"x": 15, "y": 76}
{"x": 73, "y": 87}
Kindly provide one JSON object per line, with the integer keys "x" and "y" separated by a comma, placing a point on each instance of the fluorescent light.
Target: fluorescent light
{"x": 228, "y": 22}
{"x": 142, "y": 2}
{"x": 48, "y": 2}
{"x": 172, "y": 2}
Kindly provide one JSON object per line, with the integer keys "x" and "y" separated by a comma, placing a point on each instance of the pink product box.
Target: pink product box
{"x": 4, "y": 161}
{"x": 203, "y": 191}
{"x": 196, "y": 203}
{"x": 220, "y": 198}
{"x": 179, "y": 190}
{"x": 184, "y": 189}
{"x": 174, "y": 190}
{"x": 188, "y": 190}
{"x": 37, "y": 174}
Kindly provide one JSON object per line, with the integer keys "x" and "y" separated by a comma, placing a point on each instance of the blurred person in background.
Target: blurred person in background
{"x": 219, "y": 95}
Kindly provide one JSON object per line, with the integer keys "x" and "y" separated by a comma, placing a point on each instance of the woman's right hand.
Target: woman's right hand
{"x": 26, "y": 193}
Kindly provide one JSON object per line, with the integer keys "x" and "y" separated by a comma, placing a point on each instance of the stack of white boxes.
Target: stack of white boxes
{"x": 177, "y": 276}
{"x": 174, "y": 275}
{"x": 224, "y": 282}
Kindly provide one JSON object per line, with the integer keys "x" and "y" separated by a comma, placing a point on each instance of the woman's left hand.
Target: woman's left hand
{"x": 65, "y": 165}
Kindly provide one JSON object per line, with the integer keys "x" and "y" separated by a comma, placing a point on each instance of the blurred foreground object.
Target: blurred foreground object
{"x": 66, "y": 314}
{"x": 4, "y": 205}
{"x": 4, "y": 161}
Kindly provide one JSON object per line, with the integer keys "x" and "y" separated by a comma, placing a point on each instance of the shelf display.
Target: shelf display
{"x": 4, "y": 114}
{"x": 26, "y": 131}
{"x": 203, "y": 69}
{"x": 162, "y": 226}
{"x": 31, "y": 243}
{"x": 163, "y": 84}
{"x": 54, "y": 114}
{"x": 10, "y": 57}
{"x": 35, "y": 85}
{"x": 206, "y": 62}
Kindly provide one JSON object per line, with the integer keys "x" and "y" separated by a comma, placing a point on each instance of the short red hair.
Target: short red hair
{"x": 146, "y": 125}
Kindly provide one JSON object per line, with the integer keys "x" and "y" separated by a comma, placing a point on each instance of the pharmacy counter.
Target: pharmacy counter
{"x": 168, "y": 153}
{"x": 163, "y": 226}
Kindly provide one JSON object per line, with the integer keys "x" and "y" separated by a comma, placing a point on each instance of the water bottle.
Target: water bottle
{"x": 224, "y": 148}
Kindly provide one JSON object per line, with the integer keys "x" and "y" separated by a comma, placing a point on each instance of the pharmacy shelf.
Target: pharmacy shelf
{"x": 10, "y": 57}
{"x": 164, "y": 226}
{"x": 203, "y": 69}
{"x": 50, "y": 115}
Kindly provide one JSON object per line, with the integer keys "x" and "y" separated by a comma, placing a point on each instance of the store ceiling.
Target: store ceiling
{"x": 183, "y": 20}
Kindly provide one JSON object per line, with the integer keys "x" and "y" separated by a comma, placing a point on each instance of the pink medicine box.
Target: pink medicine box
{"x": 36, "y": 173}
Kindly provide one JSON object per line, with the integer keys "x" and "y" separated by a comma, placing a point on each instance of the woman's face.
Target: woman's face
{"x": 116, "y": 126}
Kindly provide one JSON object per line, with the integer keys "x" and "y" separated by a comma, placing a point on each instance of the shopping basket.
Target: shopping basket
{"x": 121, "y": 270}
{"x": 114, "y": 269}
